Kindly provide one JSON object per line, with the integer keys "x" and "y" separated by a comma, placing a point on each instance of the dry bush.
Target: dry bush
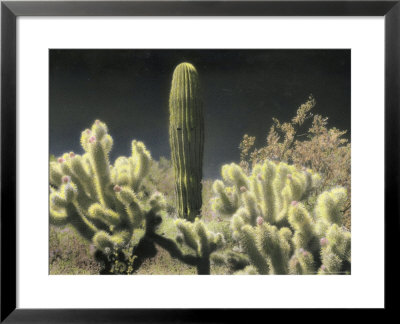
{"x": 306, "y": 141}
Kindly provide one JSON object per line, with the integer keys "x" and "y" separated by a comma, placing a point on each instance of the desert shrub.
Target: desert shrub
{"x": 306, "y": 141}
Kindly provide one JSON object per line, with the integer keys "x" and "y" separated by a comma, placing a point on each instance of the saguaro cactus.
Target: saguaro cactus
{"x": 186, "y": 135}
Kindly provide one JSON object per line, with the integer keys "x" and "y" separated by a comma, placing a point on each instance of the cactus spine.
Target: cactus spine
{"x": 186, "y": 135}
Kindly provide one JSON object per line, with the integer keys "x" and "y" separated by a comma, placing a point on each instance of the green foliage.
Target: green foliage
{"x": 275, "y": 231}
{"x": 186, "y": 134}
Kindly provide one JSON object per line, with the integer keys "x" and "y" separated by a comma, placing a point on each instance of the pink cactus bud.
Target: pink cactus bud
{"x": 72, "y": 155}
{"x": 323, "y": 268}
{"x": 61, "y": 160}
{"x": 294, "y": 203}
{"x": 88, "y": 131}
{"x": 289, "y": 176}
{"x": 66, "y": 179}
{"x": 301, "y": 250}
{"x": 305, "y": 253}
{"x": 260, "y": 220}
{"x": 97, "y": 122}
{"x": 324, "y": 241}
{"x": 92, "y": 139}
{"x": 243, "y": 189}
{"x": 117, "y": 188}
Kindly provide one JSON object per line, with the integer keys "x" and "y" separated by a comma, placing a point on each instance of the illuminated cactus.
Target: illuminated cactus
{"x": 100, "y": 200}
{"x": 267, "y": 192}
{"x": 202, "y": 241}
{"x": 272, "y": 223}
{"x": 186, "y": 135}
{"x": 105, "y": 204}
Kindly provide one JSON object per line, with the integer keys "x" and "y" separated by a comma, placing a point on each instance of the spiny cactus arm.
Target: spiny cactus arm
{"x": 254, "y": 181}
{"x": 65, "y": 209}
{"x": 103, "y": 240}
{"x": 249, "y": 244}
{"x": 97, "y": 143}
{"x": 133, "y": 208}
{"x": 101, "y": 168}
{"x": 224, "y": 204}
{"x": 298, "y": 184}
{"x": 301, "y": 221}
{"x": 269, "y": 203}
{"x": 122, "y": 171}
{"x": 234, "y": 175}
{"x": 83, "y": 199}
{"x": 286, "y": 234}
{"x": 237, "y": 261}
{"x": 55, "y": 174}
{"x": 83, "y": 226}
{"x": 336, "y": 250}
{"x": 274, "y": 246}
{"x": 218, "y": 259}
{"x": 189, "y": 236}
{"x": 331, "y": 263}
{"x": 338, "y": 240}
{"x": 140, "y": 163}
{"x": 99, "y": 130}
{"x": 204, "y": 246}
{"x": 108, "y": 216}
{"x": 58, "y": 217}
{"x": 306, "y": 260}
{"x": 329, "y": 206}
{"x": 249, "y": 270}
{"x": 282, "y": 171}
{"x": 250, "y": 203}
{"x": 242, "y": 217}
{"x": 80, "y": 172}
{"x": 302, "y": 263}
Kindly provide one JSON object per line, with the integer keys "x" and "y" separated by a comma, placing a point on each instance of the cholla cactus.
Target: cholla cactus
{"x": 99, "y": 200}
{"x": 272, "y": 222}
{"x": 199, "y": 239}
{"x": 267, "y": 192}
{"x": 105, "y": 204}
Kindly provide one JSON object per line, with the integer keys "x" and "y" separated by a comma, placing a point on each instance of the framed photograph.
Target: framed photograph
{"x": 187, "y": 161}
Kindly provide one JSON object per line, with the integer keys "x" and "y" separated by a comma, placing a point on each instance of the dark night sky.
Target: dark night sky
{"x": 242, "y": 91}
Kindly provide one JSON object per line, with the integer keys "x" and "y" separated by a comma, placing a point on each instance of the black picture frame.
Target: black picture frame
{"x": 10, "y": 10}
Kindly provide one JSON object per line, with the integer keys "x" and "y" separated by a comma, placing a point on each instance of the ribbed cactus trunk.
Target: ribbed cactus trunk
{"x": 186, "y": 135}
